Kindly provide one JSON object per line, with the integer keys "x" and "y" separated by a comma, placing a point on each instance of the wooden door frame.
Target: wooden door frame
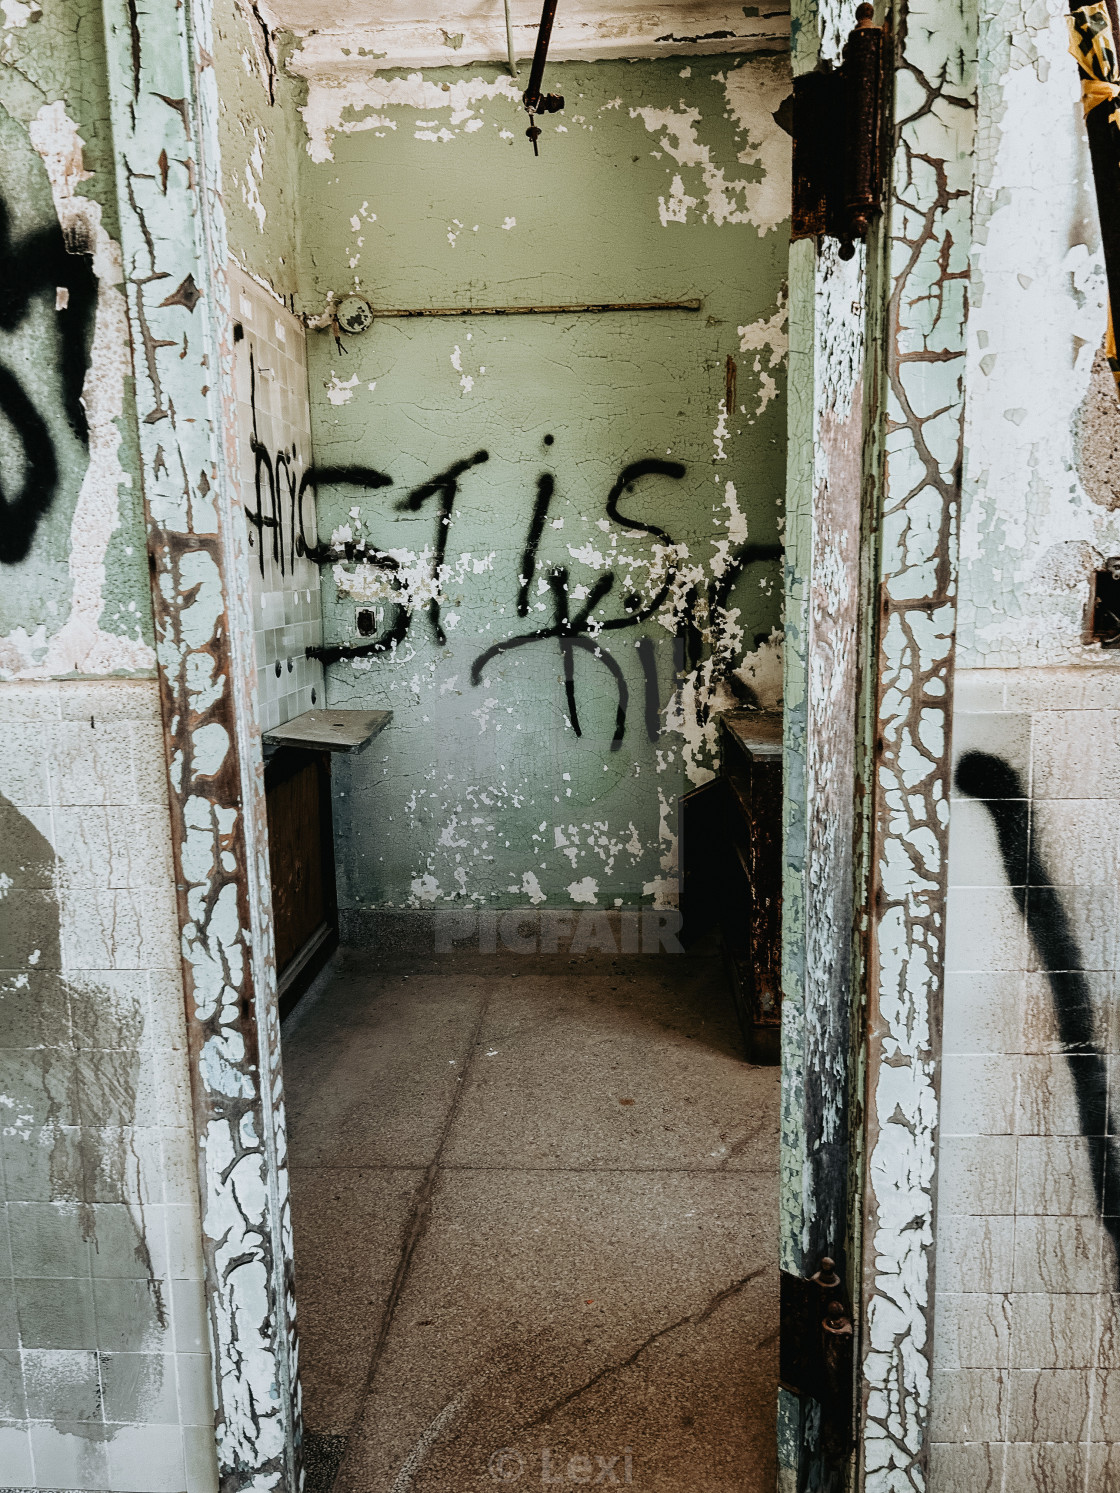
{"x": 164, "y": 110}
{"x": 896, "y": 358}
{"x": 877, "y": 364}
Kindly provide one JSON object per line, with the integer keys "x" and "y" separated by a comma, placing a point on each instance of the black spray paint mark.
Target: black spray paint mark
{"x": 446, "y": 488}
{"x": 46, "y": 262}
{"x": 999, "y": 787}
{"x": 572, "y": 632}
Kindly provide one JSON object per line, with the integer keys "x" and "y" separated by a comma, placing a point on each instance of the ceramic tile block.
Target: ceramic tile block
{"x": 15, "y": 1455}
{"x": 968, "y": 1404}
{"x": 201, "y": 1459}
{"x": 978, "y": 1095}
{"x": 27, "y": 700}
{"x": 56, "y": 1314}
{"x": 1048, "y": 1405}
{"x": 1108, "y": 1331}
{"x": 34, "y": 1010}
{"x": 149, "y": 765}
{"x": 29, "y": 933}
{"x": 12, "y": 1405}
{"x": 1076, "y": 754}
{"x": 196, "y": 1394}
{"x": 132, "y": 1316}
{"x": 1078, "y": 840}
{"x": 979, "y": 691}
{"x": 47, "y": 1240}
{"x": 1053, "y": 1332}
{"x": 1042, "y": 1031}
{"x": 85, "y": 764}
{"x": 1059, "y": 1255}
{"x": 26, "y": 838}
{"x": 110, "y": 701}
{"x": 70, "y": 1455}
{"x": 983, "y": 1013}
{"x": 1057, "y": 1467}
{"x": 188, "y": 1317}
{"x": 1048, "y": 1087}
{"x": 1072, "y": 927}
{"x": 976, "y": 857}
{"x": 971, "y": 1331}
{"x": 976, "y": 1174}
{"x": 1106, "y": 1406}
{"x": 1003, "y": 734}
{"x": 61, "y": 1386}
{"x": 1054, "y": 1177}
{"x": 24, "y": 779}
{"x": 139, "y": 1388}
{"x": 986, "y": 931}
{"x": 966, "y": 1467}
{"x": 9, "y": 1326}
{"x": 109, "y": 1009}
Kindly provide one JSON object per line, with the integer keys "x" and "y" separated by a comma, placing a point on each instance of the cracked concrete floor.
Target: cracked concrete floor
{"x": 535, "y": 1215}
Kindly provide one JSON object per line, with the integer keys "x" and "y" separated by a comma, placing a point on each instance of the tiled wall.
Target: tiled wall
{"x": 104, "y": 1364}
{"x": 273, "y": 415}
{"x": 1026, "y": 1390}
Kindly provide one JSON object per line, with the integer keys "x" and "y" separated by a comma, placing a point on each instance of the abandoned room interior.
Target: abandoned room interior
{"x": 560, "y": 789}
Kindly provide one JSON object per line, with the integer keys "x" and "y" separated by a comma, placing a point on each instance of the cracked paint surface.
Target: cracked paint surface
{"x": 927, "y": 265}
{"x": 74, "y": 602}
{"x": 486, "y": 790}
{"x": 1039, "y": 512}
{"x": 166, "y": 121}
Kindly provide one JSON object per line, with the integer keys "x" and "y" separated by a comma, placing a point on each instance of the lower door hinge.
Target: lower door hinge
{"x": 840, "y": 132}
{"x": 817, "y": 1350}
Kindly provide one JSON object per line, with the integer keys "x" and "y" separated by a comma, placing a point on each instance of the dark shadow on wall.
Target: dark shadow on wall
{"x": 83, "y": 1277}
{"x": 992, "y": 780}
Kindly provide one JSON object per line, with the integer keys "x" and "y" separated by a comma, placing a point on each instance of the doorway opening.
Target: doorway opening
{"x": 513, "y": 451}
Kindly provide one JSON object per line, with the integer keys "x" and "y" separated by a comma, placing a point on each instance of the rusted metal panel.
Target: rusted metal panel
{"x": 164, "y": 107}
{"x": 926, "y": 274}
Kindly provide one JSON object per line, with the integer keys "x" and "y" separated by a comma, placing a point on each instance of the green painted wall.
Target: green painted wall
{"x": 261, "y": 138}
{"x": 74, "y": 591}
{"x": 658, "y": 182}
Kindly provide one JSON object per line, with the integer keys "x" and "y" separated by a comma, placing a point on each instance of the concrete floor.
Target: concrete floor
{"x": 535, "y": 1210}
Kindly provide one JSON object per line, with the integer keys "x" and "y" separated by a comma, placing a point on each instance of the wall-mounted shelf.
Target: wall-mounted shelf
{"x": 330, "y": 730}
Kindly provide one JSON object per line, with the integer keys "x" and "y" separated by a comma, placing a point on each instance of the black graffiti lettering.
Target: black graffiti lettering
{"x": 45, "y": 262}
{"x": 545, "y": 488}
{"x": 647, "y": 657}
{"x": 446, "y": 488}
{"x": 572, "y": 631}
{"x": 998, "y": 786}
{"x": 368, "y": 479}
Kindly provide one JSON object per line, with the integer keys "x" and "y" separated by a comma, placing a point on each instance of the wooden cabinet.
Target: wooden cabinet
{"x": 752, "y": 904}
{"x": 731, "y": 859}
{"x": 297, "y": 787}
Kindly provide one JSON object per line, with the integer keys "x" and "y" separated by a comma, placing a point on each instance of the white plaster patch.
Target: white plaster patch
{"x": 753, "y": 92}
{"x": 82, "y": 645}
{"x": 586, "y": 890}
{"x": 366, "y": 96}
{"x": 254, "y": 175}
{"x": 20, "y": 12}
{"x": 761, "y": 671}
{"x": 769, "y": 334}
{"x": 340, "y": 391}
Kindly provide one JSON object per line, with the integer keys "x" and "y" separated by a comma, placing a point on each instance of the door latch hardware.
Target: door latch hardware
{"x": 816, "y": 1349}
{"x": 839, "y": 133}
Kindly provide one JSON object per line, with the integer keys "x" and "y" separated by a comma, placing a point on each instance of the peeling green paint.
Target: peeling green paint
{"x": 651, "y": 186}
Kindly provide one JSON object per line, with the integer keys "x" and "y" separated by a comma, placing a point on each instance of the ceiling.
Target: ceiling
{"x": 346, "y": 35}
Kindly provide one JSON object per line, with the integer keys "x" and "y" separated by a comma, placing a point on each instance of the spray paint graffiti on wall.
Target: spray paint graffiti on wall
{"x": 694, "y": 620}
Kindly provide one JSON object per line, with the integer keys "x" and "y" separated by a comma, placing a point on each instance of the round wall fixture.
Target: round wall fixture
{"x": 353, "y": 315}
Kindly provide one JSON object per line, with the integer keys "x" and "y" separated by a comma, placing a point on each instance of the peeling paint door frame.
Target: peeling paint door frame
{"x": 876, "y": 388}
{"x": 164, "y": 107}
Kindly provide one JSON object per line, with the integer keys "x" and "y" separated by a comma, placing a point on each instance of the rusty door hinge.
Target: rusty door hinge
{"x": 816, "y": 1349}
{"x": 839, "y": 129}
